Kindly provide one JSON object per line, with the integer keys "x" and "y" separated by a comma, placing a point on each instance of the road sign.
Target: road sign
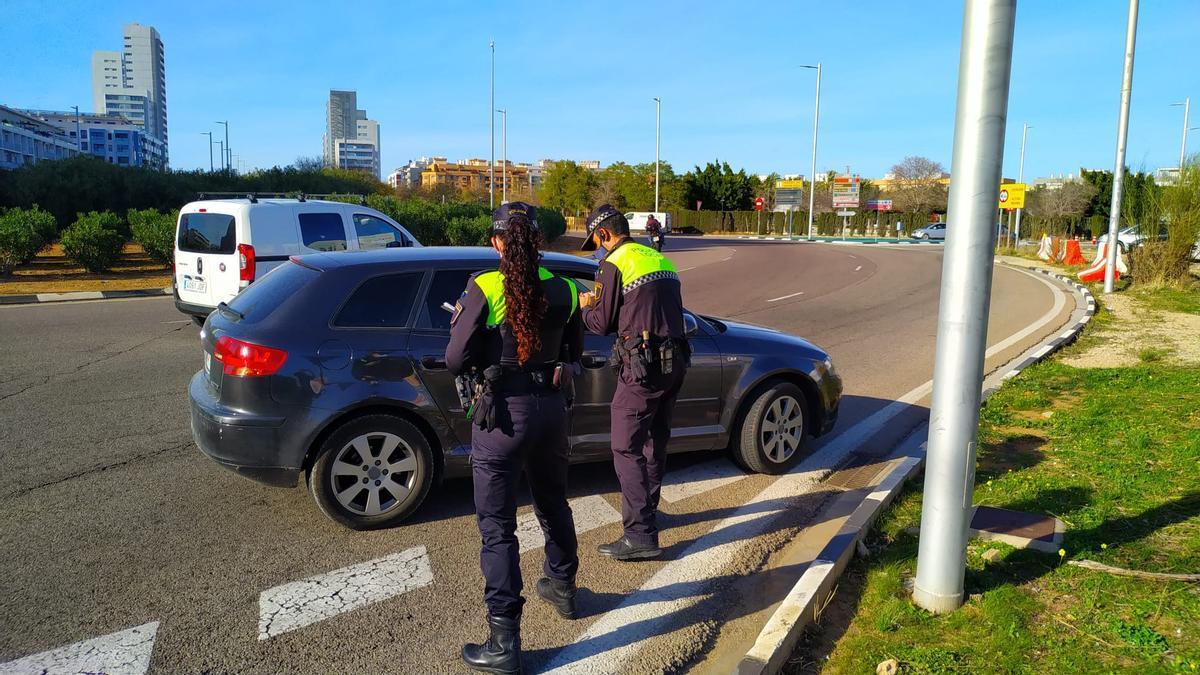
{"x": 879, "y": 205}
{"x": 789, "y": 184}
{"x": 845, "y": 213}
{"x": 1012, "y": 195}
{"x": 758, "y": 204}
{"x": 845, "y": 191}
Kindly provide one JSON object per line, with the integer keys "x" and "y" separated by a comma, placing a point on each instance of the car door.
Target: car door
{"x": 323, "y": 230}
{"x": 427, "y": 345}
{"x": 370, "y": 330}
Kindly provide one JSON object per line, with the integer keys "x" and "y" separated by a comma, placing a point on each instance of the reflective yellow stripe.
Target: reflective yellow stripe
{"x": 636, "y": 261}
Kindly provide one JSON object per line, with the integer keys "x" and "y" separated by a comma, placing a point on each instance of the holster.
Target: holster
{"x": 486, "y": 414}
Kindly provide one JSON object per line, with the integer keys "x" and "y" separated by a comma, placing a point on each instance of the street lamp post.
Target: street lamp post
{"x": 210, "y": 144}
{"x": 1021, "y": 179}
{"x": 492, "y": 122}
{"x": 812, "y": 180}
{"x": 222, "y": 146}
{"x": 1114, "y": 214}
{"x": 657, "y": 139}
{"x": 224, "y": 158}
{"x": 79, "y": 132}
{"x": 1187, "y": 104}
{"x": 504, "y": 145}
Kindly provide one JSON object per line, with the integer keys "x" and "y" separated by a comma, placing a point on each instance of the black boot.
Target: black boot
{"x": 623, "y": 549}
{"x": 502, "y": 651}
{"x": 560, "y": 594}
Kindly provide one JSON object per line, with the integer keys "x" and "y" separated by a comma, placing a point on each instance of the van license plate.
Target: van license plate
{"x": 197, "y": 285}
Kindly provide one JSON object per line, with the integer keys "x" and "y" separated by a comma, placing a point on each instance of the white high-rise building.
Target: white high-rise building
{"x": 133, "y": 82}
{"x": 351, "y": 140}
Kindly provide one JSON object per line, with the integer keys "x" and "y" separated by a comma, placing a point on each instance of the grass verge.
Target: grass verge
{"x": 1115, "y": 454}
{"x": 52, "y": 272}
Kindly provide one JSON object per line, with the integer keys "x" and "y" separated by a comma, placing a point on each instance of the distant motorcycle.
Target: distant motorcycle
{"x": 655, "y": 231}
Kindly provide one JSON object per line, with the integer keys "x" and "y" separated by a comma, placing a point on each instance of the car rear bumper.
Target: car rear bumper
{"x": 201, "y": 311}
{"x": 247, "y": 444}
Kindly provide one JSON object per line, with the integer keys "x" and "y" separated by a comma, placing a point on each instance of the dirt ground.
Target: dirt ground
{"x": 52, "y": 272}
{"x": 1137, "y": 333}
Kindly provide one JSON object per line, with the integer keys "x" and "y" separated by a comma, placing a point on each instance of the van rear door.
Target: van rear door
{"x": 206, "y": 257}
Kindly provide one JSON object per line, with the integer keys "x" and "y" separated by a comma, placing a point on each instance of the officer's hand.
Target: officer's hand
{"x": 587, "y": 299}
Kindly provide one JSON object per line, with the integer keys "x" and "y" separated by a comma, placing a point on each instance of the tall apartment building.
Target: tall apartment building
{"x": 132, "y": 83}
{"x": 351, "y": 140}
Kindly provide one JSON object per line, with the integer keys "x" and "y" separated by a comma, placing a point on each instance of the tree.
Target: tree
{"x": 1071, "y": 201}
{"x": 719, "y": 188}
{"x": 917, "y": 186}
{"x": 310, "y": 163}
{"x": 566, "y": 186}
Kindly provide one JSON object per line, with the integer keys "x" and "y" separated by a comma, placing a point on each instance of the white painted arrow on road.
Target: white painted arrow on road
{"x": 301, "y": 603}
{"x": 123, "y": 653}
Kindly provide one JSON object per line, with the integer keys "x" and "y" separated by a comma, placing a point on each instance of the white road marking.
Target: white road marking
{"x": 686, "y": 269}
{"x": 699, "y": 478}
{"x": 858, "y": 268}
{"x": 179, "y": 321}
{"x": 300, "y": 603}
{"x": 785, "y": 297}
{"x": 123, "y": 653}
{"x": 1060, "y": 299}
{"x": 590, "y": 512}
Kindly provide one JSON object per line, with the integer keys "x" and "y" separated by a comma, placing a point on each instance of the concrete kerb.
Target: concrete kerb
{"x": 81, "y": 295}
{"x": 809, "y": 595}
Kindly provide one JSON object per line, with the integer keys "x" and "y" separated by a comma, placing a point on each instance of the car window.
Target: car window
{"x": 206, "y": 233}
{"x": 381, "y": 302}
{"x": 375, "y": 232}
{"x": 270, "y": 292}
{"x": 323, "y": 231}
{"x": 447, "y": 287}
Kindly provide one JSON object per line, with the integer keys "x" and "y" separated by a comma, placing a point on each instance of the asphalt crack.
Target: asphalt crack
{"x": 93, "y": 470}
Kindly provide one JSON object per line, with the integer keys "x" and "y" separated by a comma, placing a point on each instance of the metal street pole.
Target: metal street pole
{"x": 812, "y": 180}
{"x": 985, "y": 65}
{"x": 504, "y": 187}
{"x": 1114, "y": 215}
{"x": 210, "y": 144}
{"x": 492, "y": 122}
{"x": 79, "y": 133}
{"x": 657, "y": 138}
{"x": 222, "y": 145}
{"x": 1021, "y": 179}
{"x": 224, "y": 159}
{"x": 1187, "y": 104}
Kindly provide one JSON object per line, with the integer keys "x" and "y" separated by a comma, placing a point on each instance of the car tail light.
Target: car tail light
{"x": 246, "y": 262}
{"x": 244, "y": 359}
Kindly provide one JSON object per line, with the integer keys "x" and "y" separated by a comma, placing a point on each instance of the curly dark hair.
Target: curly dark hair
{"x": 523, "y": 293}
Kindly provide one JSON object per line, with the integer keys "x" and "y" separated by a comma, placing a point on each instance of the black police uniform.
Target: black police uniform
{"x": 527, "y": 431}
{"x": 639, "y": 295}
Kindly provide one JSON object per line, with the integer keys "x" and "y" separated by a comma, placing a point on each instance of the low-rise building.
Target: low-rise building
{"x": 113, "y": 138}
{"x": 25, "y": 140}
{"x": 409, "y": 175}
{"x": 474, "y": 175}
{"x": 1053, "y": 182}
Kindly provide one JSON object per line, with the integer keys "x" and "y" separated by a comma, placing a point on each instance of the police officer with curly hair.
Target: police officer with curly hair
{"x": 637, "y": 297}
{"x": 519, "y": 329}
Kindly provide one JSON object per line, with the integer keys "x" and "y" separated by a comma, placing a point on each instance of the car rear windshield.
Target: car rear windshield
{"x": 206, "y": 233}
{"x": 264, "y": 296}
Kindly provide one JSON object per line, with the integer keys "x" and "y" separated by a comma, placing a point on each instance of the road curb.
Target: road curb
{"x": 816, "y": 585}
{"x": 81, "y": 295}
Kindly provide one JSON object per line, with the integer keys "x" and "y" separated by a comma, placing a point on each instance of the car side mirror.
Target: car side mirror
{"x": 393, "y": 244}
{"x": 690, "y": 325}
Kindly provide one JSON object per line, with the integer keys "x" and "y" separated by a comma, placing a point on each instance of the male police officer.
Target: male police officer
{"x": 637, "y": 297}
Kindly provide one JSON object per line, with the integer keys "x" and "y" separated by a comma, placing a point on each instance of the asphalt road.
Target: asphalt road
{"x": 111, "y": 519}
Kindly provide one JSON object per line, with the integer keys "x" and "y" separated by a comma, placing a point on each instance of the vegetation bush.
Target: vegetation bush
{"x": 93, "y": 240}
{"x": 24, "y": 232}
{"x": 155, "y": 232}
{"x": 1177, "y": 209}
{"x": 464, "y": 231}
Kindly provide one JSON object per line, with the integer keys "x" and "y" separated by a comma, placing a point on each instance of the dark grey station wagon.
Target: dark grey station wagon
{"x": 332, "y": 366}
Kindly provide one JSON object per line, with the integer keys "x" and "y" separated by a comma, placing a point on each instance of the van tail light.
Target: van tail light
{"x": 243, "y": 359}
{"x": 245, "y": 262}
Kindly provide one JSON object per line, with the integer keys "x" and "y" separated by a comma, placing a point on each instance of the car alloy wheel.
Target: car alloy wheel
{"x": 782, "y": 429}
{"x": 373, "y": 473}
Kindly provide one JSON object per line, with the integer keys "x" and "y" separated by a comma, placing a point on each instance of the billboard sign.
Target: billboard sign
{"x": 845, "y": 191}
{"x": 879, "y": 205}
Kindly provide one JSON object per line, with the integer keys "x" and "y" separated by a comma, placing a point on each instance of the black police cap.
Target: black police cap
{"x": 501, "y": 215}
{"x": 600, "y": 216}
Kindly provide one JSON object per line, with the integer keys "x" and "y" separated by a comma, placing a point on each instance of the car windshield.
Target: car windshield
{"x": 206, "y": 233}
{"x": 264, "y": 296}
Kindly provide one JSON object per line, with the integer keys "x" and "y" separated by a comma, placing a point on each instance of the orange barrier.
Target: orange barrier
{"x": 1096, "y": 271}
{"x": 1074, "y": 255}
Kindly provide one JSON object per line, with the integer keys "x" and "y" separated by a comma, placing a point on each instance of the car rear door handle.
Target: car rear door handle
{"x": 433, "y": 363}
{"x": 593, "y": 361}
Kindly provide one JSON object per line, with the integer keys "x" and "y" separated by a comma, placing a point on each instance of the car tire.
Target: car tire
{"x": 925, "y": 236}
{"x": 760, "y": 446}
{"x": 396, "y": 447}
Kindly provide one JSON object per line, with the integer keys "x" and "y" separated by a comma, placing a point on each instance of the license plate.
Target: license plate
{"x": 197, "y": 285}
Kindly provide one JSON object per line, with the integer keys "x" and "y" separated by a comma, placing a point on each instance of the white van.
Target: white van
{"x": 222, "y": 245}
{"x": 637, "y": 220}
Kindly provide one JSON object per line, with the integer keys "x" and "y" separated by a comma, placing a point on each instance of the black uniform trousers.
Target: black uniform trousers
{"x": 641, "y": 428}
{"x": 531, "y": 436}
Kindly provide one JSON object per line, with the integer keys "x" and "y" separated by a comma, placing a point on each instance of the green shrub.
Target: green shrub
{"x": 155, "y": 232}
{"x": 468, "y": 231}
{"x": 93, "y": 241}
{"x": 24, "y": 232}
{"x": 551, "y": 223}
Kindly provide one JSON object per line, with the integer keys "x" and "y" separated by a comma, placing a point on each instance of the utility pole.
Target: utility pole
{"x": 224, "y": 158}
{"x": 1187, "y": 104}
{"x": 79, "y": 133}
{"x": 210, "y": 144}
{"x": 812, "y": 180}
{"x": 492, "y": 121}
{"x": 222, "y": 144}
{"x": 1021, "y": 179}
{"x": 657, "y": 138}
{"x": 984, "y": 70}
{"x": 504, "y": 143}
{"x": 1114, "y": 214}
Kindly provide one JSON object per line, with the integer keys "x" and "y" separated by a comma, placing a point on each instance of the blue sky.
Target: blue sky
{"x": 578, "y": 78}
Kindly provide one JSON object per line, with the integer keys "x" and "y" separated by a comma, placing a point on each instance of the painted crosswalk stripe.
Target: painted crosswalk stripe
{"x": 301, "y": 603}
{"x": 590, "y": 512}
{"x": 123, "y": 653}
{"x": 699, "y": 478}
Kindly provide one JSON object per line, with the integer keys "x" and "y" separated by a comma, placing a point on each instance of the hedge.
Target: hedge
{"x": 155, "y": 232}
{"x": 24, "y": 232}
{"x": 93, "y": 240}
